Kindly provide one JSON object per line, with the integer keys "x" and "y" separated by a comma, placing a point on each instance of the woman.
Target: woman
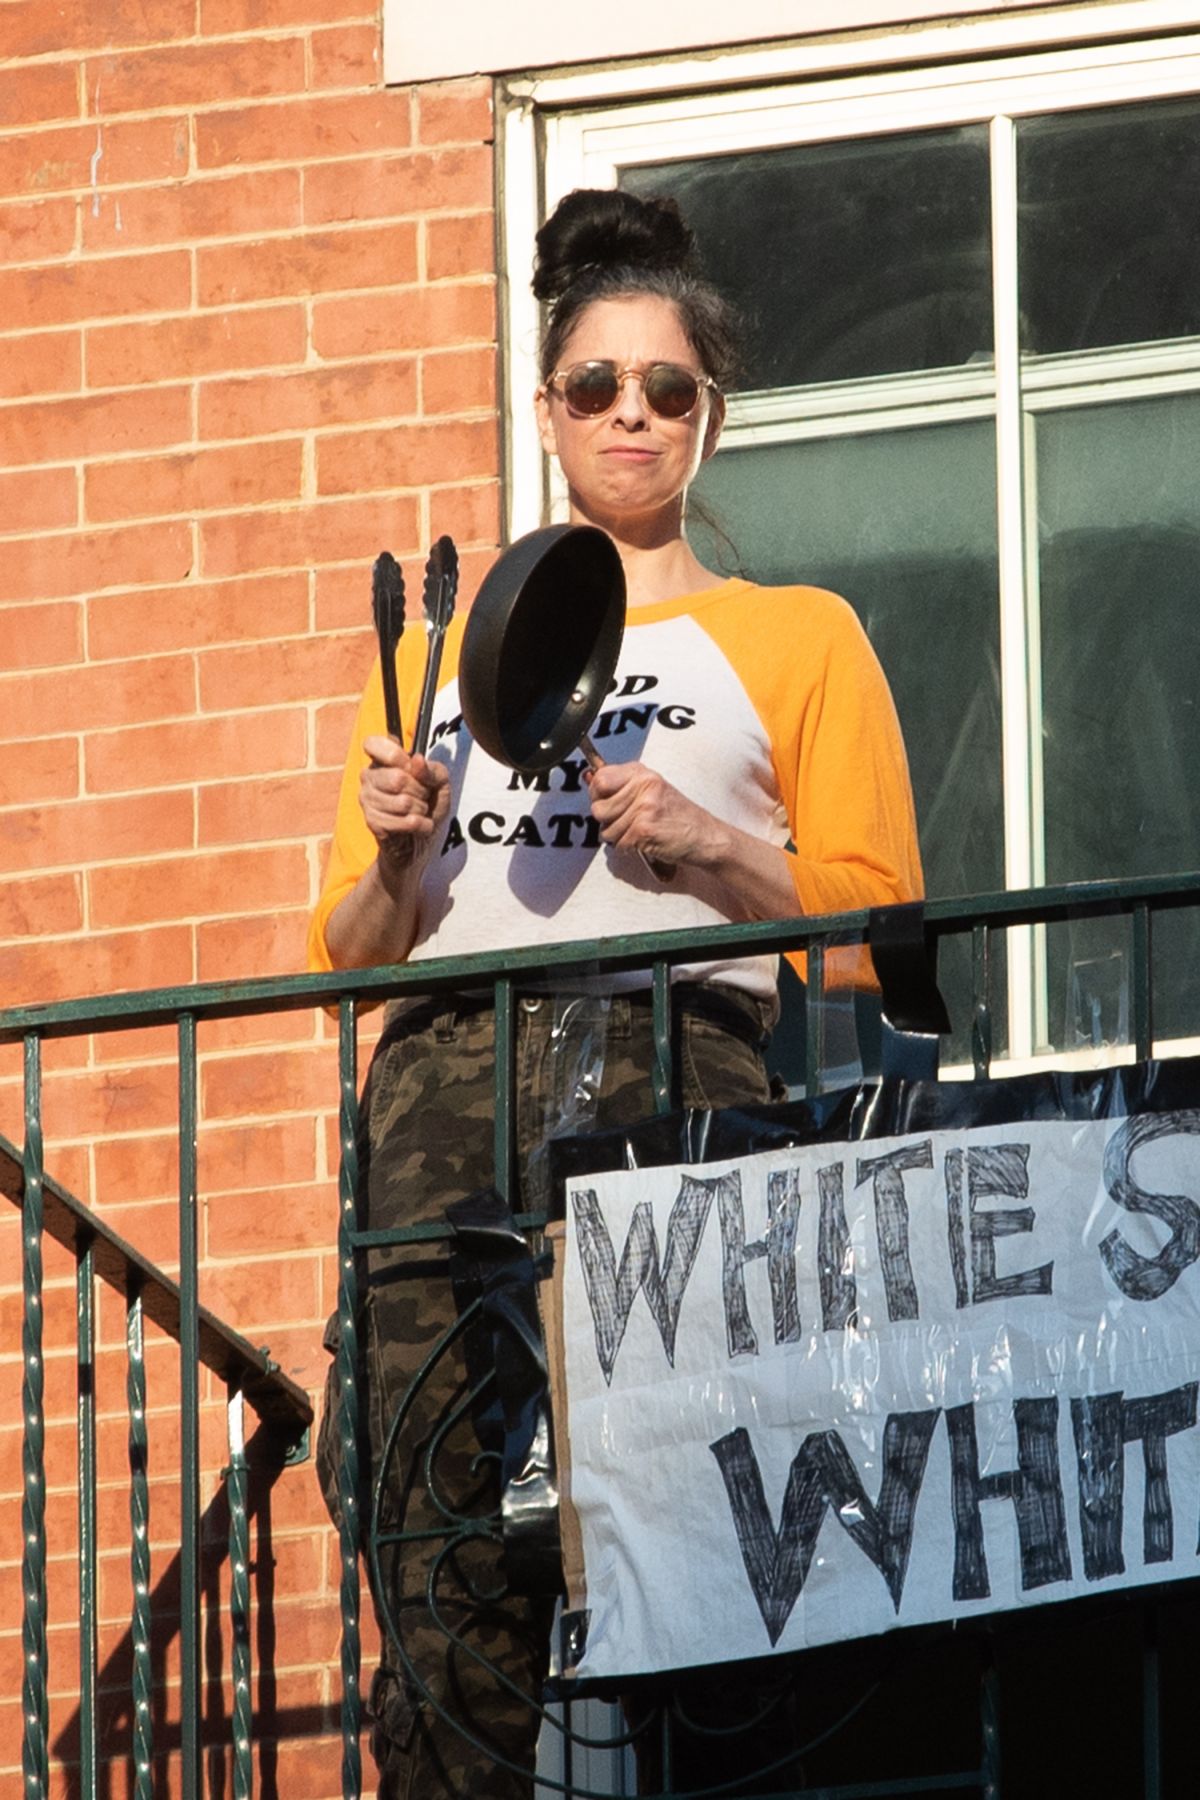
{"x": 751, "y": 744}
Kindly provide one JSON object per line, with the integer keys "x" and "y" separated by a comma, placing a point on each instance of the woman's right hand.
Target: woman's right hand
{"x": 405, "y": 799}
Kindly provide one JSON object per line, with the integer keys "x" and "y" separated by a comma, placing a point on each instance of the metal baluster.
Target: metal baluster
{"x": 1143, "y": 987}
{"x": 139, "y": 1547}
{"x": 505, "y": 1127}
{"x": 189, "y": 1417}
{"x": 350, "y": 1527}
{"x": 662, "y": 1075}
{"x": 1151, "y": 1708}
{"x": 35, "y": 1705}
{"x": 981, "y": 1015}
{"x": 237, "y": 1487}
{"x": 85, "y": 1319}
{"x": 814, "y": 1020}
{"x": 989, "y": 1726}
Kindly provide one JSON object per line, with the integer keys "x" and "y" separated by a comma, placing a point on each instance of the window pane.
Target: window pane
{"x": 904, "y": 525}
{"x": 1109, "y": 243}
{"x": 1120, "y": 584}
{"x": 846, "y": 259}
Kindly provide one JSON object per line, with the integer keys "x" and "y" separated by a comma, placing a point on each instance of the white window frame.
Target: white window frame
{"x": 558, "y": 133}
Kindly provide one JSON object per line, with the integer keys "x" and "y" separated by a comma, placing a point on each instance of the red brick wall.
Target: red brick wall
{"x": 247, "y": 340}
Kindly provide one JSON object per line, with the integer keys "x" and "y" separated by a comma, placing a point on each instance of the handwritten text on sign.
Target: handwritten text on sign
{"x": 818, "y": 1392}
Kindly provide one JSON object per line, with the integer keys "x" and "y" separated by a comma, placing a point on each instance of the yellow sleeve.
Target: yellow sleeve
{"x": 354, "y": 848}
{"x": 826, "y": 708}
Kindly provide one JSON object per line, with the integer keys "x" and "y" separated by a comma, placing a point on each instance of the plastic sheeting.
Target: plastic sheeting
{"x": 909, "y": 1352}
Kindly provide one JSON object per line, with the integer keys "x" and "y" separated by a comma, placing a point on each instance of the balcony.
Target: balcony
{"x": 162, "y": 1677}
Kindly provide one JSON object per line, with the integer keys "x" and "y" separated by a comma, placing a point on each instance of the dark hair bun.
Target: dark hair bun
{"x": 595, "y": 228}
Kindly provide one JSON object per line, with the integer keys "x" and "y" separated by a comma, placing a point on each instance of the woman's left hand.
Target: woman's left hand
{"x": 637, "y": 810}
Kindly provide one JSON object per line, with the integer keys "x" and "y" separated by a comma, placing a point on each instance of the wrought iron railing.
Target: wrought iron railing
{"x": 282, "y": 1407}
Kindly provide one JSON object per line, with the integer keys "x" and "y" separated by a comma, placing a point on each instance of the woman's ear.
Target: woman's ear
{"x": 545, "y": 421}
{"x": 712, "y": 429}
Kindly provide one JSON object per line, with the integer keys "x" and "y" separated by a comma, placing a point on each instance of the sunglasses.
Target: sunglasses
{"x": 591, "y": 389}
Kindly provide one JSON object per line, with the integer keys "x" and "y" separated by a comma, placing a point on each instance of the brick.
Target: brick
{"x": 36, "y": 230}
{"x": 39, "y": 637}
{"x": 59, "y": 969}
{"x": 229, "y": 206}
{"x": 463, "y": 244}
{"x": 291, "y": 1081}
{"x": 65, "y": 293}
{"x": 422, "y": 318}
{"x": 198, "y": 886}
{"x": 40, "y": 769}
{"x": 56, "y": 564}
{"x": 202, "y": 344}
{"x": 354, "y": 462}
{"x": 258, "y": 1028}
{"x": 47, "y": 837}
{"x": 224, "y": 18}
{"x": 310, "y": 263}
{"x": 470, "y": 515}
{"x": 278, "y": 1218}
{"x": 196, "y": 614}
{"x": 334, "y": 723}
{"x": 41, "y": 431}
{"x": 233, "y": 1158}
{"x": 287, "y": 807}
{"x": 383, "y": 187}
{"x": 333, "y": 531}
{"x": 102, "y": 697}
{"x": 308, "y": 399}
{"x": 134, "y": 1170}
{"x": 135, "y": 1043}
{"x": 262, "y": 1292}
{"x": 303, "y": 131}
{"x": 87, "y": 157}
{"x": 37, "y": 500}
{"x": 269, "y": 674}
{"x": 41, "y": 27}
{"x": 308, "y": 1771}
{"x": 236, "y": 950}
{"x": 48, "y": 362}
{"x": 38, "y": 93}
{"x": 344, "y": 56}
{"x": 195, "y": 74}
{"x": 454, "y": 112}
{"x": 192, "y": 749}
{"x": 200, "y": 481}
{"x": 44, "y": 903}
{"x": 458, "y": 381}
{"x": 343, "y": 597}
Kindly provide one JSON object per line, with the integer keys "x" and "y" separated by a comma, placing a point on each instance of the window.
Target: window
{"x": 971, "y": 404}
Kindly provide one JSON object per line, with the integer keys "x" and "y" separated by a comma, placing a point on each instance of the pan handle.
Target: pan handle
{"x": 661, "y": 871}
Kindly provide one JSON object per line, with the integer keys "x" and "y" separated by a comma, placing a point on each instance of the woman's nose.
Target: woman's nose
{"x": 631, "y": 409}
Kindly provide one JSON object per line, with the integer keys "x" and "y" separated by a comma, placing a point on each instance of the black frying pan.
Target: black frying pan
{"x": 540, "y": 649}
{"x": 541, "y": 645}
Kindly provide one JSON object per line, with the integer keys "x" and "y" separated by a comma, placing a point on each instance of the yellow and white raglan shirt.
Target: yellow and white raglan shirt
{"x": 766, "y": 706}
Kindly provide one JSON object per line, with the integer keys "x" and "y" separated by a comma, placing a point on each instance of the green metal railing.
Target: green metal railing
{"x": 282, "y": 1407}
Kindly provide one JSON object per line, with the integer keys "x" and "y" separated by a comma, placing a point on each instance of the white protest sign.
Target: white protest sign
{"x": 819, "y": 1392}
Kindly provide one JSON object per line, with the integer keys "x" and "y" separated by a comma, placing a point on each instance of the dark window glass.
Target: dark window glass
{"x": 904, "y": 525}
{"x": 1120, "y": 609}
{"x": 1109, "y": 226}
{"x": 851, "y": 259}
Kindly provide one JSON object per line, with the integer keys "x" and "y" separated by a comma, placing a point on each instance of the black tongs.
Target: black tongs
{"x": 441, "y": 587}
{"x": 387, "y": 606}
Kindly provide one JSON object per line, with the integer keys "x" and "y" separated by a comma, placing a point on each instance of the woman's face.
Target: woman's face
{"x": 629, "y": 463}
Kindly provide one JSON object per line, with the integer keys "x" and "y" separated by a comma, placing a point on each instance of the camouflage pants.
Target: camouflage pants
{"x": 466, "y": 1728}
